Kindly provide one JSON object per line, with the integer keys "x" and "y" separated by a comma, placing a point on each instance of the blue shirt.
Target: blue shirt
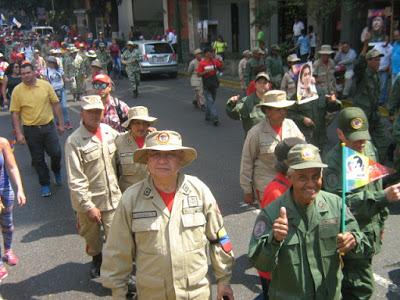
{"x": 304, "y": 43}
{"x": 396, "y": 58}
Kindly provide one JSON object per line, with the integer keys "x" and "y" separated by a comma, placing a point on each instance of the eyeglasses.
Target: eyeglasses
{"x": 99, "y": 86}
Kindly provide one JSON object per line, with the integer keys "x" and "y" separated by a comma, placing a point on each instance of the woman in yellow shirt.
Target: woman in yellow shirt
{"x": 220, "y": 46}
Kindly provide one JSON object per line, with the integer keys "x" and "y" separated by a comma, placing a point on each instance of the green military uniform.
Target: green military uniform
{"x": 367, "y": 203}
{"x": 297, "y": 272}
{"x": 306, "y": 264}
{"x": 275, "y": 70}
{"x": 132, "y": 62}
{"x": 246, "y": 109}
{"x": 252, "y": 68}
{"x": 394, "y": 98}
{"x": 367, "y": 98}
{"x": 315, "y": 110}
{"x": 104, "y": 57}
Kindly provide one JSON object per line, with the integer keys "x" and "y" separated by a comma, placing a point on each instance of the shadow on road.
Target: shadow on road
{"x": 60, "y": 227}
{"x": 394, "y": 290}
{"x": 63, "y": 278}
{"x": 239, "y": 276}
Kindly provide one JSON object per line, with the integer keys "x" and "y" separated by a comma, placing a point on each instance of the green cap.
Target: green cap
{"x": 305, "y": 156}
{"x": 354, "y": 124}
{"x": 373, "y": 53}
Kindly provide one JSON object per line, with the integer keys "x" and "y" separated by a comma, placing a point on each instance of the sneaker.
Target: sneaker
{"x": 96, "y": 265}
{"x": 45, "y": 191}
{"x": 10, "y": 258}
{"x": 58, "y": 179}
{"x": 3, "y": 272}
{"x": 216, "y": 122}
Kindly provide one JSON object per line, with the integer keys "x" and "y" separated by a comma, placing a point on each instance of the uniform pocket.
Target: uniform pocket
{"x": 328, "y": 239}
{"x": 147, "y": 235}
{"x": 290, "y": 251}
{"x": 91, "y": 154}
{"x": 193, "y": 231}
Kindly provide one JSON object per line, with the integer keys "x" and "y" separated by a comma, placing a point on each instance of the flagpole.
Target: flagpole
{"x": 343, "y": 212}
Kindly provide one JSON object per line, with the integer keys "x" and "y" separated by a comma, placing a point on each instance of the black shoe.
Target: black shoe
{"x": 96, "y": 265}
{"x": 194, "y": 102}
{"x": 131, "y": 287}
{"x": 216, "y": 122}
{"x": 203, "y": 107}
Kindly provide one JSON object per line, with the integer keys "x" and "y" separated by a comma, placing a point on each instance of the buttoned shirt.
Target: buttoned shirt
{"x": 169, "y": 247}
{"x": 258, "y": 158}
{"x": 91, "y": 169}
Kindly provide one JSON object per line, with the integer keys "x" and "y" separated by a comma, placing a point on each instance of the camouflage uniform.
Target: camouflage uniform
{"x": 132, "y": 62}
{"x": 104, "y": 57}
{"x": 79, "y": 74}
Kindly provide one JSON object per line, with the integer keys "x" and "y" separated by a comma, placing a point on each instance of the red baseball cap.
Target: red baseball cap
{"x": 102, "y": 78}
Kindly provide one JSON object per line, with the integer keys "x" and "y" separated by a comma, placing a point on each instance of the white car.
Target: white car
{"x": 43, "y": 30}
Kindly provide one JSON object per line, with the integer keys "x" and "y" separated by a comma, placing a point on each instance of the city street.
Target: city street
{"x": 53, "y": 263}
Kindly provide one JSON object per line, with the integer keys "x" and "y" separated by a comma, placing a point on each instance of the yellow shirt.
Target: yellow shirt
{"x": 34, "y": 102}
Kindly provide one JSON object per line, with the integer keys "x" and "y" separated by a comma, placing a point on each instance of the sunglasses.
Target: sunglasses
{"x": 99, "y": 86}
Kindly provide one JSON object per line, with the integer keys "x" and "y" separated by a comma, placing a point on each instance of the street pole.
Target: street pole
{"x": 178, "y": 30}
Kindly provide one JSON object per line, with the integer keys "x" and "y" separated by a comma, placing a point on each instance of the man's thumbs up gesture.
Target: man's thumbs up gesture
{"x": 280, "y": 227}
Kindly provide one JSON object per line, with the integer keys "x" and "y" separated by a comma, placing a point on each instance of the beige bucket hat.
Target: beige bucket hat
{"x": 293, "y": 58}
{"x": 91, "y": 53}
{"x": 326, "y": 49}
{"x": 165, "y": 140}
{"x": 91, "y": 102}
{"x": 275, "y": 98}
{"x": 138, "y": 113}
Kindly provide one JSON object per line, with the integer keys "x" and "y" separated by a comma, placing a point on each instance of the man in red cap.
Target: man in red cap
{"x": 115, "y": 111}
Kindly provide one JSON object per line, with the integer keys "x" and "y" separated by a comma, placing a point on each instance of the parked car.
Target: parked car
{"x": 43, "y": 30}
{"x": 157, "y": 58}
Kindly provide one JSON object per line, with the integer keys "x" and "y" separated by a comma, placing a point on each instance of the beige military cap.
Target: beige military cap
{"x": 275, "y": 98}
{"x": 165, "y": 140}
{"x": 91, "y": 102}
{"x": 197, "y": 51}
{"x": 138, "y": 113}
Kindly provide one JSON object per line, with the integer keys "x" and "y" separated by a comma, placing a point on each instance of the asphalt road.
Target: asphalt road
{"x": 53, "y": 263}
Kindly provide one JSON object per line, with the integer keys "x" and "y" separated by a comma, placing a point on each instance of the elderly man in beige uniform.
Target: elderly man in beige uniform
{"x": 138, "y": 125}
{"x": 195, "y": 80}
{"x": 324, "y": 70}
{"x": 90, "y": 158}
{"x": 166, "y": 223}
{"x": 258, "y": 158}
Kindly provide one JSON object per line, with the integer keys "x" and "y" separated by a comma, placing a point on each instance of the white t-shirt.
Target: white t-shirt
{"x": 297, "y": 28}
{"x": 54, "y": 77}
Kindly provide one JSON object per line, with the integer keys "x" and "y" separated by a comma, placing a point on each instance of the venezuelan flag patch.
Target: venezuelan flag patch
{"x": 224, "y": 240}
